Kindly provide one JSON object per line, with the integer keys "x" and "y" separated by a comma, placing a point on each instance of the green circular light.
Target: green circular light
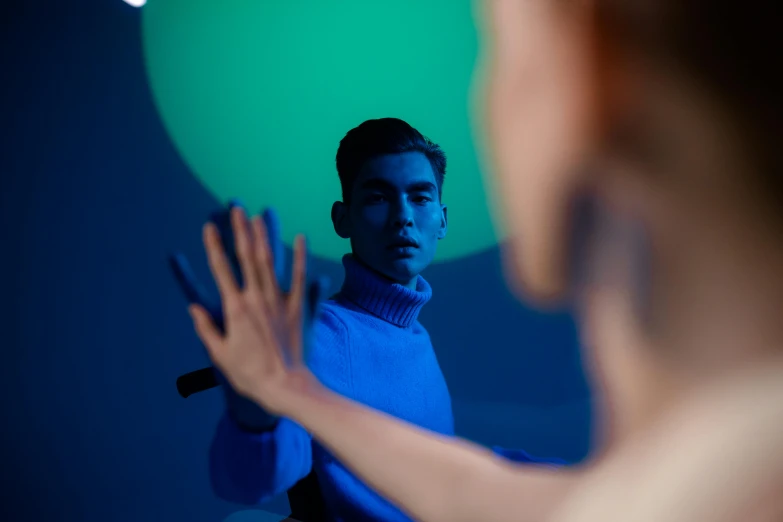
{"x": 256, "y": 95}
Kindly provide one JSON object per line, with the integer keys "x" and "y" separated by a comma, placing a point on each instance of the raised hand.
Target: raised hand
{"x": 260, "y": 347}
{"x": 189, "y": 283}
{"x": 245, "y": 412}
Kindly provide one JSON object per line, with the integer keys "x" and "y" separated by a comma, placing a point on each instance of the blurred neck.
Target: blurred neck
{"x": 715, "y": 301}
{"x": 717, "y": 291}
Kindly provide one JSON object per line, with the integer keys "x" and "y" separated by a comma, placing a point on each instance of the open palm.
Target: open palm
{"x": 260, "y": 348}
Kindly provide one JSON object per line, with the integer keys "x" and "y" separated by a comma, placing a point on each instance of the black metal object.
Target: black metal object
{"x": 196, "y": 382}
{"x": 306, "y": 500}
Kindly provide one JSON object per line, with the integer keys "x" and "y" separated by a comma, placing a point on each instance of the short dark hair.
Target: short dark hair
{"x": 380, "y": 137}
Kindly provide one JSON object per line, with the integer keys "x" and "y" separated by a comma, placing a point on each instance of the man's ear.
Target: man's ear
{"x": 341, "y": 220}
{"x": 444, "y": 222}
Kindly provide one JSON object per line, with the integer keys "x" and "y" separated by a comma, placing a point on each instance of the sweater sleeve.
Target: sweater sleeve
{"x": 250, "y": 468}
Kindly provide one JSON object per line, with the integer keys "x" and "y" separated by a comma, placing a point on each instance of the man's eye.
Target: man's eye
{"x": 376, "y": 198}
{"x": 421, "y": 199}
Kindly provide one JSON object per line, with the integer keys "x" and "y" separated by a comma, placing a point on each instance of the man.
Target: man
{"x": 367, "y": 341}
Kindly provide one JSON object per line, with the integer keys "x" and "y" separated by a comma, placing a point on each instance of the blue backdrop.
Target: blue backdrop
{"x": 94, "y": 197}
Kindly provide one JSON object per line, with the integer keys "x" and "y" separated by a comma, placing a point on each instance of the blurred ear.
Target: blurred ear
{"x": 341, "y": 220}
{"x": 444, "y": 222}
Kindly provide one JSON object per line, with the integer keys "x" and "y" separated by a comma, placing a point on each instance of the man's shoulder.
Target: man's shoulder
{"x": 331, "y": 326}
{"x": 329, "y": 357}
{"x": 332, "y": 313}
{"x": 417, "y": 327}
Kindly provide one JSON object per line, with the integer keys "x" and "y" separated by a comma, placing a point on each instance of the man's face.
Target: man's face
{"x": 395, "y": 216}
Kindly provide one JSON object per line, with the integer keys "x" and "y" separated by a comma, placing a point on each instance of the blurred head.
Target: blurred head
{"x": 666, "y": 114}
{"x": 666, "y": 110}
{"x": 392, "y": 181}
{"x": 679, "y": 98}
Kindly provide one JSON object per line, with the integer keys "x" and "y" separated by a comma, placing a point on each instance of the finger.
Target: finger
{"x": 263, "y": 261}
{"x": 235, "y": 202}
{"x": 272, "y": 223}
{"x": 298, "y": 273}
{"x": 244, "y": 251}
{"x": 222, "y": 220}
{"x": 295, "y": 297}
{"x": 219, "y": 266}
{"x": 207, "y": 332}
{"x": 187, "y": 280}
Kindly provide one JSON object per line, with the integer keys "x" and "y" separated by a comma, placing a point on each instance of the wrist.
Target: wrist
{"x": 301, "y": 393}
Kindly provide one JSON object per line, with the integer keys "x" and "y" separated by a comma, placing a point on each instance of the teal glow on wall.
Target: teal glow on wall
{"x": 256, "y": 95}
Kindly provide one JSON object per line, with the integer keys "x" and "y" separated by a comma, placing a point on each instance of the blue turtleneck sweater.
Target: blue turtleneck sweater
{"x": 368, "y": 346}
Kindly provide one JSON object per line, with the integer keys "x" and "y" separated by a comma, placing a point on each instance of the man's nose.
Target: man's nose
{"x": 402, "y": 215}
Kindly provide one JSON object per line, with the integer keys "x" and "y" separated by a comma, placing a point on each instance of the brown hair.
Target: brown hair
{"x": 729, "y": 49}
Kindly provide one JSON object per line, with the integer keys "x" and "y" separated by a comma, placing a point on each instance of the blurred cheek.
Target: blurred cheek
{"x": 506, "y": 189}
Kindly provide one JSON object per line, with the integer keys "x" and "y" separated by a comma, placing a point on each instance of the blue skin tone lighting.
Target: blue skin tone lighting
{"x": 394, "y": 219}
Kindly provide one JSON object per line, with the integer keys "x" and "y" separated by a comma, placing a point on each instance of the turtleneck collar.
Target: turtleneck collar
{"x": 389, "y": 301}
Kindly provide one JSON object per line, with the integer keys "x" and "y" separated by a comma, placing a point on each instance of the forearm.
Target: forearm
{"x": 433, "y": 478}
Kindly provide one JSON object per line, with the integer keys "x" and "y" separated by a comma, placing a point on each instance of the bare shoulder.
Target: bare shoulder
{"x": 717, "y": 457}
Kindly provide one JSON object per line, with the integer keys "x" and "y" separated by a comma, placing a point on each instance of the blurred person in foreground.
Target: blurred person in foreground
{"x": 634, "y": 145}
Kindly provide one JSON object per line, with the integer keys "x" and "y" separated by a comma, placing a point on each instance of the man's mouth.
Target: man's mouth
{"x": 404, "y": 243}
